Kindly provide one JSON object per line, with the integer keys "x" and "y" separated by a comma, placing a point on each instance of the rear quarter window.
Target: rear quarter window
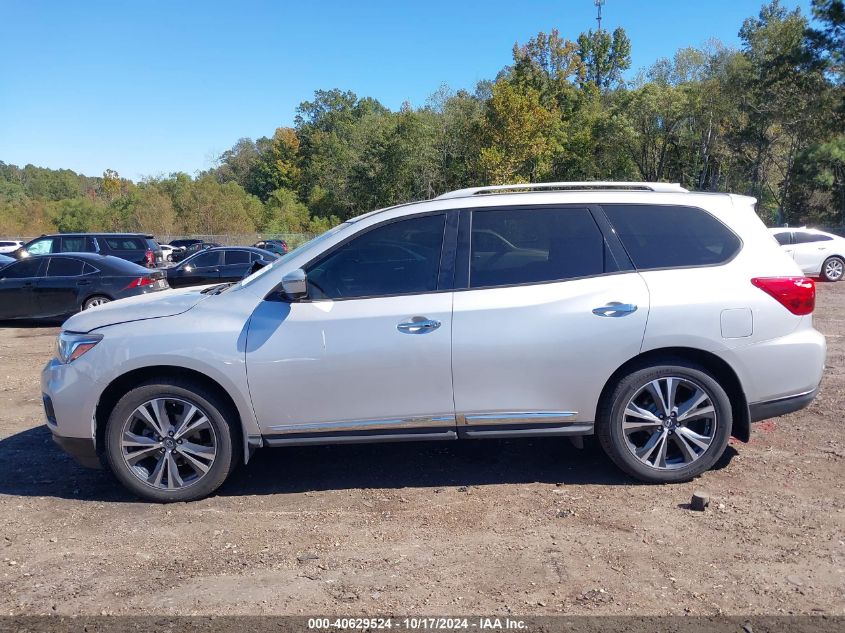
{"x": 672, "y": 236}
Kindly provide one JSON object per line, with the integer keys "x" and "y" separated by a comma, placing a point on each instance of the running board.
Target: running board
{"x": 361, "y": 438}
{"x": 479, "y": 432}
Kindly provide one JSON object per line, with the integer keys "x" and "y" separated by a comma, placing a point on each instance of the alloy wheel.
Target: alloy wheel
{"x": 168, "y": 443}
{"x": 669, "y": 423}
{"x": 833, "y": 269}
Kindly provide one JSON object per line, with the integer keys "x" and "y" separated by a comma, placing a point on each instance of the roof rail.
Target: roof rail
{"x": 665, "y": 187}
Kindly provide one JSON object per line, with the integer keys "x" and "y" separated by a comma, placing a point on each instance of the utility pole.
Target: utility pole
{"x": 596, "y": 39}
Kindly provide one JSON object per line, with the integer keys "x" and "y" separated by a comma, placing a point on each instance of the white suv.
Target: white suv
{"x": 817, "y": 253}
{"x": 661, "y": 320}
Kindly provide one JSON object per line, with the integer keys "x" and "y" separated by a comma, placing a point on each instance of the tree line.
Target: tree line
{"x": 767, "y": 119}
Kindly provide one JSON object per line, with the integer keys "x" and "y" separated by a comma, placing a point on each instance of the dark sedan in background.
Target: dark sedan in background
{"x": 217, "y": 265}
{"x": 191, "y": 249}
{"x": 55, "y": 286}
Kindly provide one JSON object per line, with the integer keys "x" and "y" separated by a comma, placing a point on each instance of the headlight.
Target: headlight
{"x": 70, "y": 346}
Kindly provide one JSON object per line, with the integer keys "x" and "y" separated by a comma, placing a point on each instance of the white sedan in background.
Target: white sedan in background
{"x": 819, "y": 254}
{"x": 167, "y": 251}
{"x": 10, "y": 246}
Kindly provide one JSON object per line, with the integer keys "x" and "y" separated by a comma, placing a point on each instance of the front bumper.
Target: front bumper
{"x": 81, "y": 449}
{"x": 781, "y": 406}
{"x": 70, "y": 397}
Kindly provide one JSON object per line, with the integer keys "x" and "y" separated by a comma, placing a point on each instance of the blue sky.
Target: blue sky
{"x": 153, "y": 87}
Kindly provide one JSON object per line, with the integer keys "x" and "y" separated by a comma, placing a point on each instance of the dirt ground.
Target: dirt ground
{"x": 526, "y": 527}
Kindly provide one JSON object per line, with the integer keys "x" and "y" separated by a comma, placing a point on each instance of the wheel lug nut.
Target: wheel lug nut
{"x": 178, "y": 441}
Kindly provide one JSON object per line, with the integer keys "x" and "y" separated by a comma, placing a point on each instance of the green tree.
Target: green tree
{"x": 605, "y": 57}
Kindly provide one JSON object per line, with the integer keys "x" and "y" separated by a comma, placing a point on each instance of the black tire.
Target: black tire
{"x": 837, "y": 268}
{"x": 609, "y": 426}
{"x": 219, "y": 414}
{"x": 96, "y": 300}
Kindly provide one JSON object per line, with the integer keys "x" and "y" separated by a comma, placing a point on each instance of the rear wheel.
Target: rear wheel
{"x": 171, "y": 441}
{"x": 666, "y": 423}
{"x": 93, "y": 302}
{"x": 833, "y": 268}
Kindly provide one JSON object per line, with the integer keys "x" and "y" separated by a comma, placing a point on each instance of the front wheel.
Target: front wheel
{"x": 666, "y": 423}
{"x": 833, "y": 268}
{"x": 171, "y": 441}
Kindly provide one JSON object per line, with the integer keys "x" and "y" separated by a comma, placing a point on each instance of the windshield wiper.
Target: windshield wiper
{"x": 216, "y": 290}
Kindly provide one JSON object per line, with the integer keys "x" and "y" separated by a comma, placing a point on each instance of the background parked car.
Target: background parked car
{"x": 138, "y": 248}
{"x": 184, "y": 243}
{"x": 279, "y": 247}
{"x": 191, "y": 249}
{"x": 819, "y": 254}
{"x": 10, "y": 246}
{"x": 52, "y": 286}
{"x": 167, "y": 251}
{"x": 217, "y": 265}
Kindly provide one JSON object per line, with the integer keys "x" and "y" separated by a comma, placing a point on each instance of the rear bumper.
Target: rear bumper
{"x": 781, "y": 406}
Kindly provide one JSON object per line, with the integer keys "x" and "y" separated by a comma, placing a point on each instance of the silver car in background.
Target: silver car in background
{"x": 662, "y": 321}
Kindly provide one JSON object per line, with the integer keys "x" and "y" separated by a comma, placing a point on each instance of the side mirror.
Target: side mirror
{"x": 295, "y": 284}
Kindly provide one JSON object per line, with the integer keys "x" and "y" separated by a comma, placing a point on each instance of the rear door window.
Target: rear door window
{"x": 803, "y": 237}
{"x": 236, "y": 257}
{"x": 77, "y": 244}
{"x": 64, "y": 267}
{"x": 535, "y": 245}
{"x": 669, "y": 236}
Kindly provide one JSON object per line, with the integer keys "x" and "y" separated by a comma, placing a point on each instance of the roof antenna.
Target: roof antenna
{"x": 599, "y": 4}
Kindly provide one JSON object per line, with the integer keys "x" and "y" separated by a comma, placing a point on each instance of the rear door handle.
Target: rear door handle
{"x": 83, "y": 283}
{"x": 615, "y": 309}
{"x": 418, "y": 325}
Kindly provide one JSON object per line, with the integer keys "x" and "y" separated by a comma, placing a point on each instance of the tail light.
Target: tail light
{"x": 151, "y": 258}
{"x": 140, "y": 282}
{"x": 796, "y": 294}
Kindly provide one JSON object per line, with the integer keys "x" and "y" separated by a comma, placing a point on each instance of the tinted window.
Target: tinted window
{"x": 802, "y": 237}
{"x": 41, "y": 247}
{"x": 22, "y": 270}
{"x": 206, "y": 259}
{"x": 125, "y": 243}
{"x": 398, "y": 258}
{"x": 236, "y": 257}
{"x": 64, "y": 267}
{"x": 672, "y": 236}
{"x": 520, "y": 246}
{"x": 8, "y": 243}
{"x": 784, "y": 238}
{"x": 76, "y": 244}
{"x": 89, "y": 269}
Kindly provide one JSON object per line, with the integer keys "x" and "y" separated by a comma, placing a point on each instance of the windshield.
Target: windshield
{"x": 286, "y": 258}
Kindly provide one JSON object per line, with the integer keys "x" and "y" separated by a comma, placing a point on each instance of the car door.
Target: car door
{"x": 17, "y": 285}
{"x": 76, "y": 244}
{"x": 235, "y": 264}
{"x": 810, "y": 250}
{"x": 541, "y": 320}
{"x": 369, "y": 351}
{"x": 202, "y": 269}
{"x": 57, "y": 291}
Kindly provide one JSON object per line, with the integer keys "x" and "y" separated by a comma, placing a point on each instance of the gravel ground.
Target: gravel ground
{"x": 522, "y": 526}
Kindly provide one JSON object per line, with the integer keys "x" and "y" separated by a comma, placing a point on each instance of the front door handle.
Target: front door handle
{"x": 615, "y": 309}
{"x": 418, "y": 325}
